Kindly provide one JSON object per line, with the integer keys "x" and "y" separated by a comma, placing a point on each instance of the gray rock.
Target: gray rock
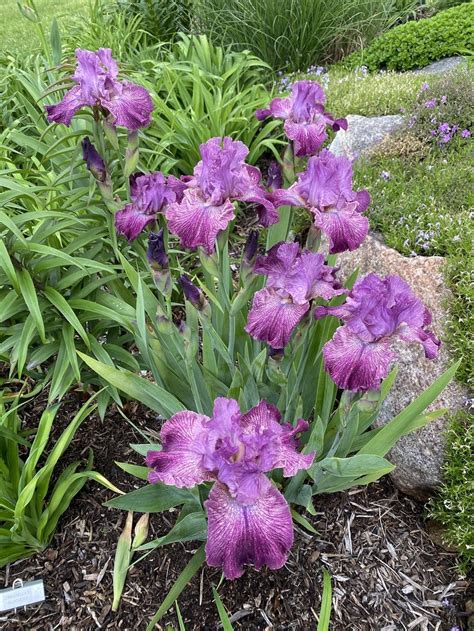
{"x": 443, "y": 65}
{"x": 419, "y": 456}
{"x": 363, "y": 133}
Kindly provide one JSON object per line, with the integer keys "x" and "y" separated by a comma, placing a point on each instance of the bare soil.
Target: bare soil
{"x": 387, "y": 573}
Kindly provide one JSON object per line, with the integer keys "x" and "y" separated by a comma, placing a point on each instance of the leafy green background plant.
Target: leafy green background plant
{"x": 31, "y": 504}
{"x": 416, "y": 44}
{"x": 296, "y": 34}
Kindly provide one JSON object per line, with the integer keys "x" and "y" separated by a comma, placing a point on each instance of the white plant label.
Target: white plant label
{"x": 24, "y": 594}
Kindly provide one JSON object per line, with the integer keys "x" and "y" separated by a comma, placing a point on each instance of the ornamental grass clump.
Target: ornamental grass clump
{"x": 266, "y": 373}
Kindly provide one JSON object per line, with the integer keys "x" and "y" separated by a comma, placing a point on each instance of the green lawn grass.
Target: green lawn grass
{"x": 18, "y": 34}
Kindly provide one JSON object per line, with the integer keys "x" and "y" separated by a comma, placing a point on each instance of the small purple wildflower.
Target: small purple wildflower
{"x": 425, "y": 87}
{"x": 385, "y": 175}
{"x": 465, "y": 133}
{"x": 443, "y": 99}
{"x": 430, "y": 104}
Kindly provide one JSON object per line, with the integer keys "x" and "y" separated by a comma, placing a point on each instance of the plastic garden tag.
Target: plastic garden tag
{"x": 21, "y": 594}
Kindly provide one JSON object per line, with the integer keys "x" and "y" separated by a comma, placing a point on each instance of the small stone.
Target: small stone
{"x": 438, "y": 67}
{"x": 363, "y": 133}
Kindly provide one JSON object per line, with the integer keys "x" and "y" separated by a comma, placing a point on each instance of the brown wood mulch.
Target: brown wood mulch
{"x": 387, "y": 573}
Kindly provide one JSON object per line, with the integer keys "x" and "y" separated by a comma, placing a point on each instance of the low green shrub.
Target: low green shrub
{"x": 31, "y": 504}
{"x": 454, "y": 507}
{"x": 416, "y": 44}
{"x": 295, "y": 34}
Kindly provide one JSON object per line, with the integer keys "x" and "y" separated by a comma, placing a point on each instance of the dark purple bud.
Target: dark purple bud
{"x": 94, "y": 161}
{"x": 132, "y": 182}
{"x": 340, "y": 123}
{"x": 156, "y": 253}
{"x": 191, "y": 292}
{"x": 274, "y": 176}
{"x": 276, "y": 354}
{"x": 250, "y": 249}
{"x": 262, "y": 114}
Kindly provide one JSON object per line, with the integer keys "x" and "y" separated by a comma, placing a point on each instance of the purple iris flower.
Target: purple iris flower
{"x": 376, "y": 311}
{"x": 249, "y": 520}
{"x": 150, "y": 194}
{"x": 219, "y": 179}
{"x": 128, "y": 104}
{"x": 294, "y": 278}
{"x": 325, "y": 189}
{"x": 304, "y": 116}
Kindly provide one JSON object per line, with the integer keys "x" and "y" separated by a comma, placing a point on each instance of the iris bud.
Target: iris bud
{"x": 194, "y": 295}
{"x": 93, "y": 160}
{"x": 158, "y": 260}
{"x": 274, "y": 176}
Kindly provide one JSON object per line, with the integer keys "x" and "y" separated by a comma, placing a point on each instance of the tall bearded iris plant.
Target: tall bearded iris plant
{"x": 265, "y": 370}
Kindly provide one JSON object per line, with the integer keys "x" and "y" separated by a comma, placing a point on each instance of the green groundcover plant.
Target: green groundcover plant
{"x": 274, "y": 338}
{"x": 33, "y": 494}
{"x": 416, "y": 44}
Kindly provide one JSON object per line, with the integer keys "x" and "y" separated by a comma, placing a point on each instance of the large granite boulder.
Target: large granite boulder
{"x": 363, "y": 133}
{"x": 419, "y": 456}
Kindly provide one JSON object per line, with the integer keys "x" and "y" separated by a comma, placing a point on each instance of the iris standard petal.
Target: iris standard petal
{"x": 130, "y": 105}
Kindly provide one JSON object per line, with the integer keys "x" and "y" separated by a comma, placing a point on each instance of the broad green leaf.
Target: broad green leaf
{"x": 28, "y": 292}
{"x": 150, "y": 394}
{"x": 353, "y": 467}
{"x": 133, "y": 469}
{"x": 192, "y": 527}
{"x": 326, "y": 603}
{"x": 153, "y": 498}
{"x": 388, "y": 435}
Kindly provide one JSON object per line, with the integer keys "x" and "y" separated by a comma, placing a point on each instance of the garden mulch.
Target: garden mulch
{"x": 388, "y": 573}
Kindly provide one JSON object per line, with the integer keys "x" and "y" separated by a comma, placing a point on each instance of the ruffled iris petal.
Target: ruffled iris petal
{"x": 273, "y": 317}
{"x": 197, "y": 222}
{"x": 131, "y": 220}
{"x": 354, "y": 364}
{"x": 130, "y": 105}
{"x": 345, "y": 227}
{"x": 63, "y": 111}
{"x": 180, "y": 461}
{"x": 258, "y": 534}
{"x": 307, "y": 137}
